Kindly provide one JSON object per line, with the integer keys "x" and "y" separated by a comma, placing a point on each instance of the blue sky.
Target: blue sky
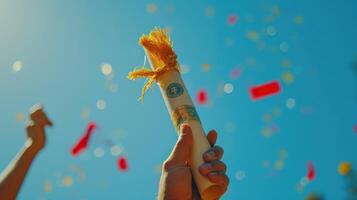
{"x": 62, "y": 45}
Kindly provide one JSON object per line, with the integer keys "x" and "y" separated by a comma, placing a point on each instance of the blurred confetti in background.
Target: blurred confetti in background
{"x": 74, "y": 57}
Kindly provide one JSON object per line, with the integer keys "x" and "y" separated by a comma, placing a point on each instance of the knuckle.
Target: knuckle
{"x": 166, "y": 165}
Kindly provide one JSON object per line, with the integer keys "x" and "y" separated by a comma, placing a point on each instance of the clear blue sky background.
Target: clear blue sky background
{"x": 62, "y": 45}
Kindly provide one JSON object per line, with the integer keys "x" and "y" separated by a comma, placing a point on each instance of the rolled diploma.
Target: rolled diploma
{"x": 182, "y": 110}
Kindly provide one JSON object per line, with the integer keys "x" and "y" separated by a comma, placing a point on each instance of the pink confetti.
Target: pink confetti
{"x": 122, "y": 164}
{"x": 232, "y": 19}
{"x": 235, "y": 73}
{"x": 310, "y": 172}
{"x": 82, "y": 143}
{"x": 202, "y": 97}
{"x": 356, "y": 129}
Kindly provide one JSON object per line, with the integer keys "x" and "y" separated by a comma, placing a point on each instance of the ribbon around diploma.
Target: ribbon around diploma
{"x": 183, "y": 114}
{"x": 151, "y": 76}
{"x": 159, "y": 49}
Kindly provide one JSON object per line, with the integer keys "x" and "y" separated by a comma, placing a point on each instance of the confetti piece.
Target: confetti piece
{"x": 275, "y": 10}
{"x": 206, "y": 67}
{"x": 85, "y": 113}
{"x": 158, "y": 168}
{"x": 82, "y": 143}
{"x": 314, "y": 196}
{"x": 271, "y": 31}
{"x": 20, "y": 116}
{"x": 122, "y": 164}
{"x": 252, "y": 35}
{"x": 202, "y": 97}
{"x": 151, "y": 8}
{"x": 240, "y": 175}
{"x": 17, "y": 66}
{"x": 266, "y": 132}
{"x": 290, "y": 103}
{"x": 283, "y": 154}
{"x": 99, "y": 152}
{"x": 101, "y": 104}
{"x": 47, "y": 187}
{"x": 265, "y": 90}
{"x": 310, "y": 172}
{"x": 228, "y": 88}
{"x": 116, "y": 150}
{"x": 209, "y": 11}
{"x": 355, "y": 128}
{"x": 279, "y": 164}
{"x": 67, "y": 181}
{"x": 344, "y": 168}
{"x": 299, "y": 20}
{"x": 232, "y": 19}
{"x": 287, "y": 77}
{"x": 106, "y": 69}
{"x": 235, "y": 73}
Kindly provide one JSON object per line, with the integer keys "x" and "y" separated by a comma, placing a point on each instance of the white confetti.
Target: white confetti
{"x": 101, "y": 104}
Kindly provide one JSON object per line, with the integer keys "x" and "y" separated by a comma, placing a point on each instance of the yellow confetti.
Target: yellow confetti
{"x": 266, "y": 132}
{"x": 151, "y": 8}
{"x": 344, "y": 168}
{"x": 279, "y": 164}
{"x": 275, "y": 10}
{"x": 47, "y": 186}
{"x": 85, "y": 113}
{"x": 287, "y": 77}
{"x": 206, "y": 67}
{"x": 299, "y": 19}
{"x": 67, "y": 181}
{"x": 209, "y": 11}
{"x": 17, "y": 66}
{"x": 20, "y": 116}
{"x": 253, "y": 35}
{"x": 158, "y": 168}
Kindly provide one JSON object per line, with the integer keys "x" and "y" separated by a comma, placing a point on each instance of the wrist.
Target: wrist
{"x": 31, "y": 147}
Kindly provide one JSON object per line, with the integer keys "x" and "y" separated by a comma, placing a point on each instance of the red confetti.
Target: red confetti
{"x": 310, "y": 171}
{"x": 232, "y": 19}
{"x": 356, "y": 128}
{"x": 123, "y": 164}
{"x": 264, "y": 90}
{"x": 82, "y": 143}
{"x": 202, "y": 97}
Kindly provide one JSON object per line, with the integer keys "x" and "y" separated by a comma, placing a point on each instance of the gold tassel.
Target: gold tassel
{"x": 158, "y": 46}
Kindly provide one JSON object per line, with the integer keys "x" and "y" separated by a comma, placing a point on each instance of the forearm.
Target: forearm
{"x": 13, "y": 176}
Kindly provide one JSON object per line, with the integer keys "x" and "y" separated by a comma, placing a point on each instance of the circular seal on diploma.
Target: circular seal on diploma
{"x": 183, "y": 114}
{"x": 174, "y": 90}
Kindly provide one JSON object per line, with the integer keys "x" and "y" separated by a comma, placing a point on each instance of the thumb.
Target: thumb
{"x": 181, "y": 153}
